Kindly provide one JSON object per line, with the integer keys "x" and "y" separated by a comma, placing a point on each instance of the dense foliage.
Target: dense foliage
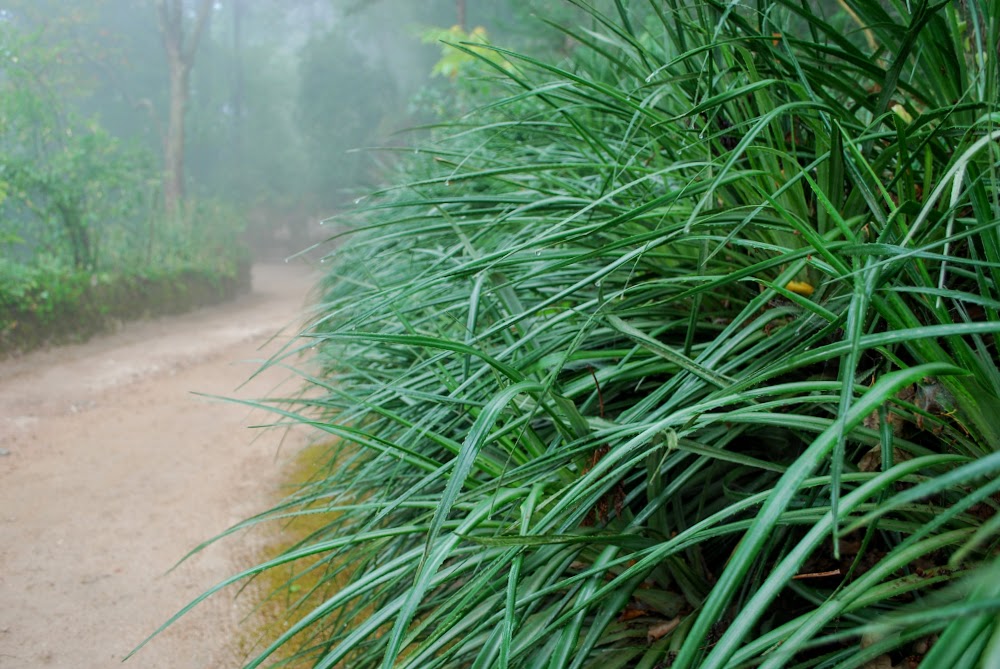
{"x": 682, "y": 352}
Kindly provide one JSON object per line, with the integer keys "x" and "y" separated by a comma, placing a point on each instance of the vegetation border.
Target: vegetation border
{"x": 72, "y": 309}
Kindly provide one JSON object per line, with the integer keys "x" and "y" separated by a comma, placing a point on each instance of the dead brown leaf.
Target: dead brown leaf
{"x": 660, "y": 630}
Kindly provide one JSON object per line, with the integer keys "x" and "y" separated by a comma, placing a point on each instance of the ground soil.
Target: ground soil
{"x": 111, "y": 470}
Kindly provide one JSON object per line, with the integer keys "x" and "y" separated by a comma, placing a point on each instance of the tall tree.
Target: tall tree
{"x": 239, "y": 10}
{"x": 180, "y": 52}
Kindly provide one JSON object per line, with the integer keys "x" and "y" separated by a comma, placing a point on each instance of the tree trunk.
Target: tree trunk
{"x": 76, "y": 231}
{"x": 180, "y": 59}
{"x": 460, "y": 11}
{"x": 173, "y": 142}
{"x": 239, "y": 10}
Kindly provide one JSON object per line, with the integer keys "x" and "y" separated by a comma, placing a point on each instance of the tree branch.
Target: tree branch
{"x": 199, "y": 27}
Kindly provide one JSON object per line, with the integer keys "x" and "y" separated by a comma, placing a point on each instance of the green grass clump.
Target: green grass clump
{"x": 680, "y": 353}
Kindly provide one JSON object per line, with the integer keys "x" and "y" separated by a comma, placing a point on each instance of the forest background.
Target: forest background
{"x": 146, "y": 147}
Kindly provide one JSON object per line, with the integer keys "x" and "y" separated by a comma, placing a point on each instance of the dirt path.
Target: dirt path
{"x": 111, "y": 470}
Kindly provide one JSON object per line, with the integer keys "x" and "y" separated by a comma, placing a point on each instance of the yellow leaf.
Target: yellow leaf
{"x": 800, "y": 287}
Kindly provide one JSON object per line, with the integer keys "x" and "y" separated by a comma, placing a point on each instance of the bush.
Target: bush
{"x": 42, "y": 307}
{"x": 179, "y": 267}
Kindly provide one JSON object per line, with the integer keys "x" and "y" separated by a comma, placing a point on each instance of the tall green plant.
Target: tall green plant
{"x": 682, "y": 355}
{"x": 68, "y": 184}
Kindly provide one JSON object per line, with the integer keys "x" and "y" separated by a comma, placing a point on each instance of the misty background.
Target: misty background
{"x": 151, "y": 132}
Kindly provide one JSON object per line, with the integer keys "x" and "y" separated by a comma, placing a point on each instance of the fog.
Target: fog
{"x": 121, "y": 118}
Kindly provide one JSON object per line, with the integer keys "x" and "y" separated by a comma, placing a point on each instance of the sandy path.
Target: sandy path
{"x": 111, "y": 470}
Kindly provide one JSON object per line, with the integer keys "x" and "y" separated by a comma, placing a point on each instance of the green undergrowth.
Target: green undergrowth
{"x": 39, "y": 307}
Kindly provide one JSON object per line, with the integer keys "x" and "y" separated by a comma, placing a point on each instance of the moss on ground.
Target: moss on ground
{"x": 282, "y": 596}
